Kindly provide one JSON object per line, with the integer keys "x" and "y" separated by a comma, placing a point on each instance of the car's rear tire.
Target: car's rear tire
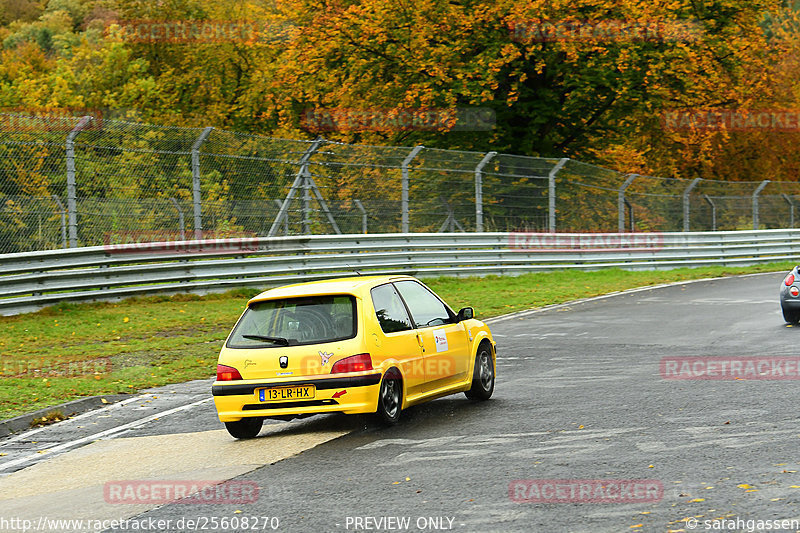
{"x": 246, "y": 428}
{"x": 790, "y": 315}
{"x": 483, "y": 374}
{"x": 390, "y": 397}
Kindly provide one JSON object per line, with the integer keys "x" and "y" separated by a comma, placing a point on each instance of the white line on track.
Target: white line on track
{"x": 528, "y": 312}
{"x": 25, "y": 434}
{"x": 107, "y": 433}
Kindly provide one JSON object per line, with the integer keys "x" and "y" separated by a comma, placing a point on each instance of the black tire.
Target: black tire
{"x": 390, "y": 398}
{"x": 791, "y": 316}
{"x": 246, "y": 428}
{"x": 483, "y": 374}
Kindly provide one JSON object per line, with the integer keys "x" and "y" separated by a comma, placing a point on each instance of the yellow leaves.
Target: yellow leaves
{"x": 126, "y": 319}
{"x": 697, "y": 500}
{"x": 745, "y": 486}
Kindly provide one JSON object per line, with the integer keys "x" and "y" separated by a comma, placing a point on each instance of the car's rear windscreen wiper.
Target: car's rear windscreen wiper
{"x": 274, "y": 340}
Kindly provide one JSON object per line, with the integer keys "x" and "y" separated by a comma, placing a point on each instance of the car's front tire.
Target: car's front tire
{"x": 390, "y": 397}
{"x": 246, "y": 428}
{"x": 483, "y": 374}
{"x": 791, "y": 316}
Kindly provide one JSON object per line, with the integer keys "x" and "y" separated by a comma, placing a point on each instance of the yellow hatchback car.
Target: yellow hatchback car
{"x": 373, "y": 344}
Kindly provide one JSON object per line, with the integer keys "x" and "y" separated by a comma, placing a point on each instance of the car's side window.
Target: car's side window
{"x": 426, "y": 309}
{"x": 389, "y": 309}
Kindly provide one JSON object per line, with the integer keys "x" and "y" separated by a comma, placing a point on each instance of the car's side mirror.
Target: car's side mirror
{"x": 465, "y": 314}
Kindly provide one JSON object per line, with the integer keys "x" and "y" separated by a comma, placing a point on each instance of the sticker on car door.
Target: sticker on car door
{"x": 440, "y": 337}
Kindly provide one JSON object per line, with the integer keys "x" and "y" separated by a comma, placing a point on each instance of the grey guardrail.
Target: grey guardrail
{"x": 32, "y": 280}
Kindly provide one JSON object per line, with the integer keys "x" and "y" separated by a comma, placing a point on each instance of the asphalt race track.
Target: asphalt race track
{"x": 580, "y": 398}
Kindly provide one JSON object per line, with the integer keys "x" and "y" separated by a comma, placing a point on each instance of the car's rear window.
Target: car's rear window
{"x": 296, "y": 321}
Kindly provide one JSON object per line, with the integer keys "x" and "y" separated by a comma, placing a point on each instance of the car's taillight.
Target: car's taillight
{"x": 794, "y": 291}
{"x": 354, "y": 363}
{"x": 227, "y": 373}
{"x": 789, "y": 279}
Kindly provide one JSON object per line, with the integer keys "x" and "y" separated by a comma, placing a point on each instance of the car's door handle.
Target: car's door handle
{"x": 420, "y": 341}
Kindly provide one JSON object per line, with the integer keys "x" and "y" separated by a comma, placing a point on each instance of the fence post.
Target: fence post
{"x": 621, "y": 201}
{"x": 300, "y": 182}
{"x": 755, "y": 202}
{"x": 710, "y": 202}
{"x": 72, "y": 203}
{"x": 404, "y": 197}
{"x": 285, "y": 218}
{"x": 479, "y": 190}
{"x": 686, "y": 207}
{"x": 791, "y": 209}
{"x": 306, "y": 222}
{"x": 551, "y": 191}
{"x": 181, "y": 220}
{"x": 63, "y": 213}
{"x": 310, "y": 185}
{"x": 360, "y": 207}
{"x": 631, "y": 221}
{"x": 197, "y": 206}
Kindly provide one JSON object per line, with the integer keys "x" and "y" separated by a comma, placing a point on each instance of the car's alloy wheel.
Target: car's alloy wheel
{"x": 246, "y": 428}
{"x": 483, "y": 375}
{"x": 390, "y": 398}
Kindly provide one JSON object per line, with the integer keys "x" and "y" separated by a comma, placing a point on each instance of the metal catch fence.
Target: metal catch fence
{"x": 71, "y": 182}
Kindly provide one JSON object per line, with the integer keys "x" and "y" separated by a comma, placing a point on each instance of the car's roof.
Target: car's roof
{"x": 349, "y": 285}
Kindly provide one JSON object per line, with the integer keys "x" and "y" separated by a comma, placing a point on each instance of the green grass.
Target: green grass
{"x": 157, "y": 340}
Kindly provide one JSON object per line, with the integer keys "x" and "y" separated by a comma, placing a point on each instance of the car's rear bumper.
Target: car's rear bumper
{"x": 348, "y": 393}
{"x": 790, "y": 303}
{"x": 787, "y": 300}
